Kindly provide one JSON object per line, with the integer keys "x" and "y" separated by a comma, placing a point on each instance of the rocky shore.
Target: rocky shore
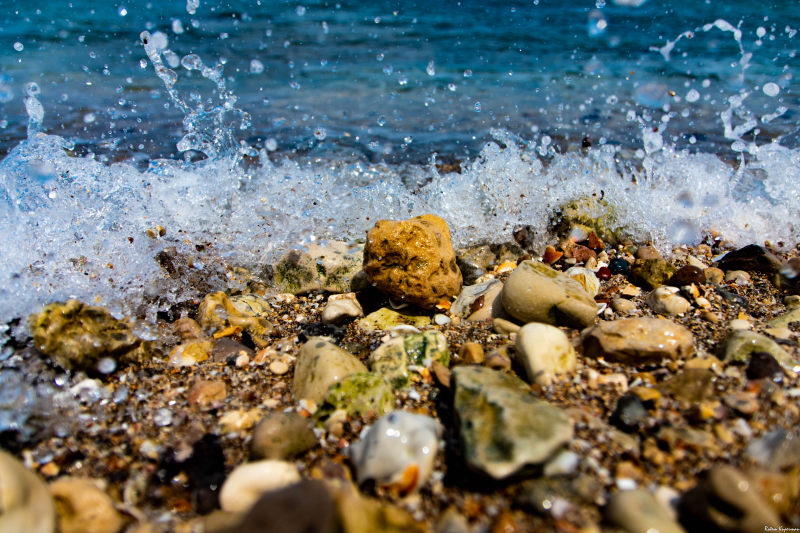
{"x": 401, "y": 385}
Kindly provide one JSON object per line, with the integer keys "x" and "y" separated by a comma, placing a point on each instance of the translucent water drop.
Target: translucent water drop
{"x": 34, "y": 108}
{"x": 122, "y": 11}
{"x": 192, "y": 62}
{"x": 88, "y": 118}
{"x": 612, "y": 99}
{"x": 761, "y": 32}
{"x": 142, "y": 63}
{"x": 177, "y": 26}
{"x": 256, "y": 66}
{"x": 653, "y": 141}
{"x": 403, "y": 81}
{"x": 771, "y": 89}
{"x": 159, "y": 40}
{"x": 172, "y": 58}
{"x": 451, "y": 87}
{"x": 431, "y": 68}
{"x": 18, "y": 46}
{"x": 692, "y": 96}
{"x": 597, "y": 24}
{"x": 300, "y": 10}
{"x": 379, "y": 57}
{"x": 320, "y": 134}
{"x": 381, "y": 120}
{"x": 271, "y": 144}
{"x": 388, "y": 70}
{"x": 191, "y": 6}
{"x": 468, "y": 73}
{"x": 6, "y": 93}
{"x": 477, "y": 107}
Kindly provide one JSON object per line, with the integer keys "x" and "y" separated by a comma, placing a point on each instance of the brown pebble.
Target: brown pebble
{"x": 205, "y": 392}
{"x": 708, "y": 316}
{"x": 743, "y": 402}
{"x": 471, "y": 353}
{"x": 714, "y": 276}
{"x": 583, "y": 254}
{"x": 187, "y": 328}
{"x": 498, "y": 359}
{"x": 647, "y": 252}
{"x": 551, "y": 255}
{"x": 594, "y": 242}
{"x": 50, "y": 469}
{"x": 505, "y": 523}
{"x": 442, "y": 374}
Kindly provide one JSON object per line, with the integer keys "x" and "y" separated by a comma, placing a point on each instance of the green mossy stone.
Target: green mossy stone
{"x": 77, "y": 336}
{"x": 426, "y": 348}
{"x": 651, "y": 273}
{"x": 390, "y": 360}
{"x": 359, "y": 395}
{"x": 384, "y": 319}
{"x": 590, "y": 213}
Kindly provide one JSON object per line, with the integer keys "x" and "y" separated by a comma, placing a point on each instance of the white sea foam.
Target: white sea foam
{"x": 67, "y": 220}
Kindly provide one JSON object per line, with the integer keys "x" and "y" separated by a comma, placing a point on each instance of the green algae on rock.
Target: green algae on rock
{"x": 651, "y": 273}
{"x": 321, "y": 364}
{"x": 79, "y": 336}
{"x": 741, "y": 343}
{"x": 589, "y": 213}
{"x": 359, "y": 395}
{"x": 502, "y": 426}
{"x": 384, "y": 319}
{"x": 329, "y": 268}
{"x": 392, "y": 358}
{"x": 218, "y": 310}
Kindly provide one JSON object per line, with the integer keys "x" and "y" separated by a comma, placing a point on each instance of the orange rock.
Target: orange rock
{"x": 412, "y": 260}
{"x": 551, "y": 255}
{"x": 595, "y": 242}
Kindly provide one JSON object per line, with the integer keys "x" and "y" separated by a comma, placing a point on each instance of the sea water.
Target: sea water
{"x": 250, "y": 127}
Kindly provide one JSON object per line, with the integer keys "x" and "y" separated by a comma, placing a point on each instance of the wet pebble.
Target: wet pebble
{"x": 666, "y": 301}
{"x": 638, "y": 340}
{"x": 637, "y": 511}
{"x": 248, "y": 481}
{"x": 545, "y": 352}
{"x": 282, "y": 435}
{"x": 319, "y": 365}
{"x": 619, "y": 265}
{"x": 27, "y": 504}
{"x": 341, "y": 307}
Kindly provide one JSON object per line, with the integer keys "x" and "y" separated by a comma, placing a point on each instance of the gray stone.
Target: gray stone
{"x": 479, "y": 302}
{"x": 638, "y": 340}
{"x": 281, "y": 435}
{"x": 545, "y": 352}
{"x": 637, "y": 511}
{"x": 535, "y": 292}
{"x": 26, "y": 501}
{"x": 741, "y": 343}
{"x": 341, "y": 307}
{"x": 775, "y": 450}
{"x": 502, "y": 426}
{"x": 319, "y": 365}
{"x": 331, "y": 267}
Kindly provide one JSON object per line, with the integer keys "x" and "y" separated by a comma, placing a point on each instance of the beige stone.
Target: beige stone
{"x": 638, "y": 340}
{"x": 25, "y": 503}
{"x": 320, "y": 365}
{"x": 545, "y": 352}
{"x": 536, "y": 293}
{"x": 84, "y": 508}
{"x": 412, "y": 260}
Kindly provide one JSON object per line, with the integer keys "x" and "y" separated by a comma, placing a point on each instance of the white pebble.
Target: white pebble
{"x": 248, "y": 481}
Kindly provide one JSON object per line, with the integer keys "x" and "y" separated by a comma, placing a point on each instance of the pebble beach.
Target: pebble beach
{"x": 397, "y": 384}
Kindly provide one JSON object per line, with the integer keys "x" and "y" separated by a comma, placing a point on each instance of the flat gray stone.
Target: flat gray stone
{"x": 502, "y": 426}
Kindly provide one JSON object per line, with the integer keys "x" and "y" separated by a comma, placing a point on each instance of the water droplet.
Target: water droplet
{"x": 379, "y": 57}
{"x": 122, "y": 11}
{"x": 468, "y": 73}
{"x": 192, "y": 62}
{"x": 300, "y": 10}
{"x": 177, "y": 26}
{"x": 256, "y": 66}
{"x": 477, "y": 107}
{"x": 692, "y": 96}
{"x": 771, "y": 89}
{"x": 597, "y": 24}
{"x": 388, "y": 70}
{"x": 18, "y": 46}
{"x": 431, "y": 69}
{"x": 320, "y": 134}
{"x": 761, "y": 32}
{"x": 271, "y": 144}
{"x": 143, "y": 63}
{"x": 381, "y": 120}
{"x": 191, "y": 6}
{"x": 612, "y": 99}
{"x": 88, "y": 118}
{"x": 451, "y": 86}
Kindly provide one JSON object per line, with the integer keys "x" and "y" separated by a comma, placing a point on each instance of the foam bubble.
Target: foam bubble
{"x": 771, "y": 89}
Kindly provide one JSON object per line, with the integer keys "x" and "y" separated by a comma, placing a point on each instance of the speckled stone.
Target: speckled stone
{"x": 651, "y": 273}
{"x": 502, "y": 426}
{"x": 638, "y": 340}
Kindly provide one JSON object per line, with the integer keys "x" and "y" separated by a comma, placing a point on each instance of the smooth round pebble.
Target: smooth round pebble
{"x": 278, "y": 367}
{"x": 248, "y": 481}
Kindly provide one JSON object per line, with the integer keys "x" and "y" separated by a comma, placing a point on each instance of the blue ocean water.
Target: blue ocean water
{"x": 262, "y": 125}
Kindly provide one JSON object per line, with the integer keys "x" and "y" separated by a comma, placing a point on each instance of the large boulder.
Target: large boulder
{"x": 412, "y": 260}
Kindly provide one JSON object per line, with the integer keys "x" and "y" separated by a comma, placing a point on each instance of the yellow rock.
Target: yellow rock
{"x": 412, "y": 260}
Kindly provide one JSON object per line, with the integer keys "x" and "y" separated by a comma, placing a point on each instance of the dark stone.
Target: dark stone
{"x": 319, "y": 329}
{"x": 304, "y": 507}
{"x": 629, "y": 414}
{"x": 524, "y": 236}
{"x": 227, "y": 348}
{"x": 762, "y": 365}
{"x": 687, "y": 275}
{"x": 732, "y": 297}
{"x": 752, "y": 258}
{"x": 619, "y": 265}
{"x": 204, "y": 469}
{"x": 470, "y": 270}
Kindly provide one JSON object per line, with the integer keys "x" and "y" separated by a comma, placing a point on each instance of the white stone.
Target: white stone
{"x": 398, "y": 451}
{"x": 586, "y": 278}
{"x": 249, "y": 480}
{"x": 666, "y": 301}
{"x": 340, "y": 307}
{"x": 545, "y": 352}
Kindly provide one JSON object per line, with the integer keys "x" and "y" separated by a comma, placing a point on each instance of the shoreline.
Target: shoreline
{"x": 142, "y": 427}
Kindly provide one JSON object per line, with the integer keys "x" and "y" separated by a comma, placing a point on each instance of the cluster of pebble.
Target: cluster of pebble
{"x": 513, "y": 380}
